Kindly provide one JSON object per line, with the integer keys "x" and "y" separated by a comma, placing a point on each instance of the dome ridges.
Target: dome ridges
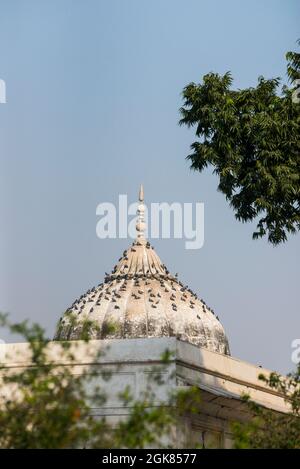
{"x": 150, "y": 292}
{"x": 139, "y": 260}
{"x": 145, "y": 307}
{"x": 140, "y": 284}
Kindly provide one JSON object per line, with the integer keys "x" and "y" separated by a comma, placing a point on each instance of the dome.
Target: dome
{"x": 141, "y": 299}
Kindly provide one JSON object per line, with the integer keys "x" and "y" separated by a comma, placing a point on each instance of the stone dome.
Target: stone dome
{"x": 141, "y": 299}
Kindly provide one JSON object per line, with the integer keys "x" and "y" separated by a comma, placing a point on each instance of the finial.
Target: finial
{"x": 141, "y": 225}
{"x": 141, "y": 193}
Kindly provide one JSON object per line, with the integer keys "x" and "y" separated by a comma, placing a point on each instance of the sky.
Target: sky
{"x": 93, "y": 96}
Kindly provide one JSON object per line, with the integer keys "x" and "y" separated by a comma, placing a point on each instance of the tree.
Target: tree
{"x": 251, "y": 139}
{"x": 45, "y": 405}
{"x": 293, "y": 69}
{"x": 268, "y": 429}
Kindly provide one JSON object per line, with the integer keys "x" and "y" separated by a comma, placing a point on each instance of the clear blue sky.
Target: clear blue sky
{"x": 93, "y": 91}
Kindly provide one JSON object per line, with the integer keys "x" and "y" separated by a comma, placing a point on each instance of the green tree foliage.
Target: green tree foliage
{"x": 293, "y": 69}
{"x": 268, "y": 429}
{"x": 49, "y": 406}
{"x": 251, "y": 139}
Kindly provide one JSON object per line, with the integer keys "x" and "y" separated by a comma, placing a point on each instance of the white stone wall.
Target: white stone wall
{"x": 135, "y": 363}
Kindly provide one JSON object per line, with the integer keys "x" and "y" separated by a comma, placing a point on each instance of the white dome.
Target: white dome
{"x": 140, "y": 299}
